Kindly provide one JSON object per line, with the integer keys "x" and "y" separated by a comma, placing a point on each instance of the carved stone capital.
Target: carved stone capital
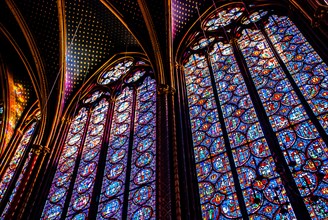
{"x": 165, "y": 89}
{"x": 37, "y": 149}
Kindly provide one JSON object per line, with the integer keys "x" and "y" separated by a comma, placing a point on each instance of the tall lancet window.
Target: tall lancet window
{"x": 17, "y": 159}
{"x": 17, "y": 166}
{"x": 107, "y": 167}
{"x": 257, "y": 98}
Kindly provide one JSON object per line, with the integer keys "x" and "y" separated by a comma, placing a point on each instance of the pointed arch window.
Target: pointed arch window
{"x": 257, "y": 104}
{"x": 107, "y": 168}
{"x": 14, "y": 171}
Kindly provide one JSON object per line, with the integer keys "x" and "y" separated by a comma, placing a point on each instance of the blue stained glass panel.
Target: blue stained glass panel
{"x": 86, "y": 174}
{"x": 142, "y": 195}
{"x": 294, "y": 130}
{"x": 216, "y": 187}
{"x": 112, "y": 192}
{"x": 54, "y": 204}
{"x": 15, "y": 161}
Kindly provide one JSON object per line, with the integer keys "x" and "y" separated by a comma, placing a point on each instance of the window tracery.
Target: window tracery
{"x": 235, "y": 145}
{"x": 109, "y": 158}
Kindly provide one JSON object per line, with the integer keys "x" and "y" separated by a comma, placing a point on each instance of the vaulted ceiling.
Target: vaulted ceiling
{"x": 56, "y": 45}
{"x": 64, "y": 42}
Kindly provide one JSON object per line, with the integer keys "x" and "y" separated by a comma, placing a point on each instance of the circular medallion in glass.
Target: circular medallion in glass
{"x": 93, "y": 143}
{"x": 119, "y": 141}
{"x": 202, "y": 43}
{"x": 70, "y": 150}
{"x": 136, "y": 76}
{"x": 121, "y": 129}
{"x": 145, "y": 106}
{"x": 95, "y": 130}
{"x": 146, "y": 95}
{"x": 79, "y": 216}
{"x": 116, "y": 71}
{"x": 117, "y": 156}
{"x": 93, "y": 97}
{"x": 115, "y": 171}
{"x": 145, "y": 130}
{"x": 88, "y": 169}
{"x": 77, "y": 126}
{"x": 123, "y": 106}
{"x": 145, "y": 212}
{"x": 57, "y": 195}
{"x": 144, "y": 144}
{"x": 67, "y": 165}
{"x": 113, "y": 188}
{"x": 101, "y": 107}
{"x": 98, "y": 118}
{"x": 144, "y": 159}
{"x": 80, "y": 202}
{"x": 145, "y": 118}
{"x": 222, "y": 18}
{"x": 84, "y": 185}
{"x": 53, "y": 213}
{"x": 90, "y": 155}
{"x": 143, "y": 176}
{"x": 142, "y": 195}
{"x": 122, "y": 117}
{"x": 74, "y": 139}
{"x": 111, "y": 208}
{"x": 62, "y": 179}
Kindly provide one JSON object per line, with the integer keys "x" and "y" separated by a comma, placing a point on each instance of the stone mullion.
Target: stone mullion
{"x": 190, "y": 205}
{"x": 281, "y": 165}
{"x": 165, "y": 176}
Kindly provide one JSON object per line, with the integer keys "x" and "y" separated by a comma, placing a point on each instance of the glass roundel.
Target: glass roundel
{"x": 93, "y": 97}
{"x": 136, "y": 76}
{"x": 222, "y": 18}
{"x": 115, "y": 72}
{"x": 254, "y": 17}
{"x": 202, "y": 43}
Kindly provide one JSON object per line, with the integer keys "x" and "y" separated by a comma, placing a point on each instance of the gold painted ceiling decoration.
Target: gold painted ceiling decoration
{"x": 93, "y": 36}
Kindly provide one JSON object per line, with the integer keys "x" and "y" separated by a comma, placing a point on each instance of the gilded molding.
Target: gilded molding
{"x": 37, "y": 149}
{"x": 154, "y": 40}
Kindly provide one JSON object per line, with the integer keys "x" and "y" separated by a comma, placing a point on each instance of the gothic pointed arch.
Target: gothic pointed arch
{"x": 15, "y": 163}
{"x": 106, "y": 167}
{"x": 255, "y": 93}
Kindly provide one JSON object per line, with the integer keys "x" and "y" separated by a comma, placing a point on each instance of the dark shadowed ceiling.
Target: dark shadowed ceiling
{"x": 74, "y": 38}
{"x": 61, "y": 43}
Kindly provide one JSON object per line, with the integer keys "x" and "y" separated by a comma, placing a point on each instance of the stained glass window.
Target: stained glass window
{"x": 108, "y": 161}
{"x": 257, "y": 106}
{"x": 18, "y": 158}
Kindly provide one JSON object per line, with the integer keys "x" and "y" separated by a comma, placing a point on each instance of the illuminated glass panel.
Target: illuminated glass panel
{"x": 142, "y": 195}
{"x": 223, "y": 18}
{"x": 254, "y": 17}
{"x": 93, "y": 97}
{"x": 255, "y": 167}
{"x": 64, "y": 173}
{"x": 115, "y": 72}
{"x": 18, "y": 182}
{"x": 16, "y": 160}
{"x": 306, "y": 67}
{"x": 113, "y": 186}
{"x": 296, "y": 133}
{"x": 128, "y": 184}
{"x": 86, "y": 174}
{"x": 218, "y": 196}
{"x": 202, "y": 43}
{"x": 136, "y": 76}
